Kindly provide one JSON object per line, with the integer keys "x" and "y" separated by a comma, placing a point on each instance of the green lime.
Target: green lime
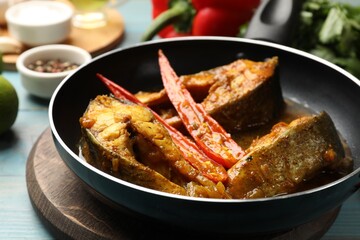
{"x": 9, "y": 104}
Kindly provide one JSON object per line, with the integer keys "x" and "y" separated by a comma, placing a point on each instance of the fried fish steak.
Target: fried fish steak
{"x": 125, "y": 140}
{"x": 248, "y": 96}
{"x": 240, "y": 95}
{"x": 291, "y": 153}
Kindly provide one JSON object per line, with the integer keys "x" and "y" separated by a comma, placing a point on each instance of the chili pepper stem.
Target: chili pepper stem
{"x": 164, "y": 19}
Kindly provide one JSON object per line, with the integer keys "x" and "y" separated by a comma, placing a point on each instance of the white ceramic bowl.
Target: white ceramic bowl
{"x": 36, "y": 23}
{"x": 43, "y": 84}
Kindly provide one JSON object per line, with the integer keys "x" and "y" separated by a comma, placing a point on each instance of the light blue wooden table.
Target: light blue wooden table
{"x": 18, "y": 219}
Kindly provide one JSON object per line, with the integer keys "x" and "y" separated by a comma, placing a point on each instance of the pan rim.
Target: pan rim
{"x": 236, "y": 39}
{"x": 188, "y": 198}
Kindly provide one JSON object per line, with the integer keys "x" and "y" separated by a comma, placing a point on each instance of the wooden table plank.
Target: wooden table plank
{"x": 17, "y": 216}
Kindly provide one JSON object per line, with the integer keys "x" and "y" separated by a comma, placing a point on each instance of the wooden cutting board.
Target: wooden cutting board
{"x": 70, "y": 211}
{"x": 95, "y": 41}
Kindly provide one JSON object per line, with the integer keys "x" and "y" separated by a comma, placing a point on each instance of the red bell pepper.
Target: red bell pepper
{"x": 173, "y": 18}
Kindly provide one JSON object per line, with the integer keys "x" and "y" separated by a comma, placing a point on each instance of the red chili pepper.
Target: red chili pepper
{"x": 199, "y": 17}
{"x": 189, "y": 149}
{"x": 210, "y": 136}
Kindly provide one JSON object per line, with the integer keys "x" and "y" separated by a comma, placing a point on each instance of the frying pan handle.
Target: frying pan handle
{"x": 274, "y": 21}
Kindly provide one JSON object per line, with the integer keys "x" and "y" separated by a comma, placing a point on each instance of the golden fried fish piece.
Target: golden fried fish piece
{"x": 248, "y": 96}
{"x": 291, "y": 153}
{"x": 126, "y": 141}
{"x": 240, "y": 95}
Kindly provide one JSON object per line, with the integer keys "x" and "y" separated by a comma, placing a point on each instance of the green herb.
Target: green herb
{"x": 331, "y": 31}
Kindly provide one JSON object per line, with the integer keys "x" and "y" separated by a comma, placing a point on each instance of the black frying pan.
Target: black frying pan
{"x": 304, "y": 78}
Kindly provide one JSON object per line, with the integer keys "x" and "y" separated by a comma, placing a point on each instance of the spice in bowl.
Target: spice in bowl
{"x": 52, "y": 66}
{"x": 42, "y": 68}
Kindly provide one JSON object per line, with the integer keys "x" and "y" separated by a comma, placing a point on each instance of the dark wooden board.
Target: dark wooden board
{"x": 70, "y": 211}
